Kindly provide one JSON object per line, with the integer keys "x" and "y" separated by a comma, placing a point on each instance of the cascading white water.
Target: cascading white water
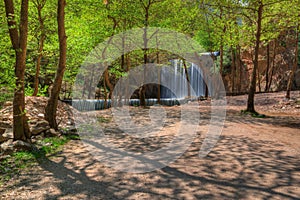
{"x": 179, "y": 82}
{"x": 175, "y": 94}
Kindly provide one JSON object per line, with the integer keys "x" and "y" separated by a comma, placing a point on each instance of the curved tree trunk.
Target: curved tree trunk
{"x": 51, "y": 107}
{"x": 19, "y": 43}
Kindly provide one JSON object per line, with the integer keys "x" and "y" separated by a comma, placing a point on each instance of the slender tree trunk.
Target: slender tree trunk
{"x": 187, "y": 79}
{"x": 294, "y": 68}
{"x": 91, "y": 81}
{"x": 273, "y": 64}
{"x": 19, "y": 43}
{"x": 222, "y": 45}
{"x": 145, "y": 38}
{"x": 258, "y": 79}
{"x": 221, "y": 58}
{"x": 42, "y": 38}
{"x": 110, "y": 86}
{"x": 239, "y": 67}
{"x": 105, "y": 93}
{"x": 159, "y": 75}
{"x": 268, "y": 67}
{"x": 206, "y": 91}
{"x": 233, "y": 70}
{"x": 51, "y": 107}
{"x": 252, "y": 85}
{"x": 142, "y": 88}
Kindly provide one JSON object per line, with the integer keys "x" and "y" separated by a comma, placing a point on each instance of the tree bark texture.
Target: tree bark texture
{"x": 51, "y": 107}
{"x": 19, "y": 43}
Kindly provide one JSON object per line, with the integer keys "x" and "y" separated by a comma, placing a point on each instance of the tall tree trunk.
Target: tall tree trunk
{"x": 108, "y": 83}
{"x": 187, "y": 79}
{"x": 158, "y": 74}
{"x": 39, "y": 5}
{"x": 294, "y": 68}
{"x": 105, "y": 94}
{"x": 239, "y": 67}
{"x": 273, "y": 64}
{"x": 268, "y": 67}
{"x": 206, "y": 91}
{"x": 258, "y": 79}
{"x": 38, "y": 66}
{"x": 19, "y": 43}
{"x": 233, "y": 70}
{"x": 252, "y": 86}
{"x": 51, "y": 107}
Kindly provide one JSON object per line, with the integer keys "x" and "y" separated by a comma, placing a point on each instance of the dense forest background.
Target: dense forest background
{"x": 258, "y": 41}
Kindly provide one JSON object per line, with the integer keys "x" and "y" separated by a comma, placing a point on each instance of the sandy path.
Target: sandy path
{"x": 254, "y": 159}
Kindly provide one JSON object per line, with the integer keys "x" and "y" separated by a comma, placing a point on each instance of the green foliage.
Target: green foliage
{"x": 89, "y": 22}
{"x": 43, "y": 91}
{"x": 104, "y": 119}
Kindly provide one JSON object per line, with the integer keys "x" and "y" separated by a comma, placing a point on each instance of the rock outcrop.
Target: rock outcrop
{"x": 35, "y": 111}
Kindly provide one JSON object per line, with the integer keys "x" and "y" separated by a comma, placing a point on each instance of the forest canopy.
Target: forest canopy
{"x": 229, "y": 27}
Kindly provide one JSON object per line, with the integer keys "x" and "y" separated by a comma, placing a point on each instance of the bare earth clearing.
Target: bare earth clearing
{"x": 255, "y": 158}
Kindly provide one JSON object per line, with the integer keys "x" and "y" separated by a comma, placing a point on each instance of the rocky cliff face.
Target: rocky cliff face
{"x": 275, "y": 64}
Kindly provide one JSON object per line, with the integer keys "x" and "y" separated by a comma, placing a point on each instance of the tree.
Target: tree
{"x": 252, "y": 86}
{"x": 265, "y": 20}
{"x": 19, "y": 44}
{"x": 295, "y": 65}
{"x": 51, "y": 108}
{"x": 39, "y": 4}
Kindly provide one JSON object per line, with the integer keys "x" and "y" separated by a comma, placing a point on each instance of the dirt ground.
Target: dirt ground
{"x": 255, "y": 158}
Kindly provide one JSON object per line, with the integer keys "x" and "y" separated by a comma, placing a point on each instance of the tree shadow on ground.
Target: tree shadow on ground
{"x": 237, "y": 168}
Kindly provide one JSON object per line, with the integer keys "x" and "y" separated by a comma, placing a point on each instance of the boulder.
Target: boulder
{"x": 5, "y": 124}
{"x": 51, "y": 133}
{"x": 39, "y": 127}
{"x": 8, "y": 134}
{"x": 20, "y": 145}
{"x": 7, "y": 147}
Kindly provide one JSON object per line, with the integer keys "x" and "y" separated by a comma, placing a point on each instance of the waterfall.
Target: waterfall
{"x": 179, "y": 82}
{"x": 173, "y": 76}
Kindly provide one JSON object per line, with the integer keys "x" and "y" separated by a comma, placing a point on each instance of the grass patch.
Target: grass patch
{"x": 23, "y": 160}
{"x": 103, "y": 119}
{"x": 253, "y": 114}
